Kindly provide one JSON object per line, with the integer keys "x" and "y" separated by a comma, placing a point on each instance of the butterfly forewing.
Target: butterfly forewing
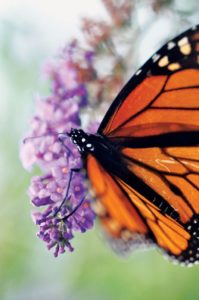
{"x": 134, "y": 103}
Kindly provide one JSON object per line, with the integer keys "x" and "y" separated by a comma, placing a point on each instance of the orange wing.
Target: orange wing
{"x": 130, "y": 217}
{"x": 154, "y": 122}
{"x": 163, "y": 96}
{"x": 172, "y": 172}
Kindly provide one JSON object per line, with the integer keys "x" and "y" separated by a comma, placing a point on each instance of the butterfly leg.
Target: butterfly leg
{"x": 66, "y": 197}
{"x": 74, "y": 210}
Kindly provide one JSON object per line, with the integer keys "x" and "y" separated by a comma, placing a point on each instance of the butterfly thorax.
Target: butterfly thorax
{"x": 98, "y": 145}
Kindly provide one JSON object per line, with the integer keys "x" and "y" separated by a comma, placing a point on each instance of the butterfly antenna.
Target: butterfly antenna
{"x": 25, "y": 140}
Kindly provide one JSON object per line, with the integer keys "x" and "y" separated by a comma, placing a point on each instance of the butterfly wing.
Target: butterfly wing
{"x": 130, "y": 218}
{"x": 152, "y": 97}
{"x": 173, "y": 173}
{"x": 155, "y": 122}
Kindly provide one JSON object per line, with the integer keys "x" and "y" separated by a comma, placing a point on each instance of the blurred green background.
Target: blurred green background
{"x": 30, "y": 32}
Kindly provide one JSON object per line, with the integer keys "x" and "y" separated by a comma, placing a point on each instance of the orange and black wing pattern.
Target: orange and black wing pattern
{"x": 130, "y": 218}
{"x": 162, "y": 96}
{"x": 154, "y": 123}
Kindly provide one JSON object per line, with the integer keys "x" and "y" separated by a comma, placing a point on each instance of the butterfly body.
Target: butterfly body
{"x": 104, "y": 151}
{"x": 143, "y": 162}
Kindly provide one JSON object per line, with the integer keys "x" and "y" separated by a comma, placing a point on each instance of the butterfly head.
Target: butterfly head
{"x": 81, "y": 140}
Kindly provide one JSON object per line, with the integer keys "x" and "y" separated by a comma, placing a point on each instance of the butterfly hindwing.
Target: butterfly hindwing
{"x": 115, "y": 213}
{"x": 129, "y": 218}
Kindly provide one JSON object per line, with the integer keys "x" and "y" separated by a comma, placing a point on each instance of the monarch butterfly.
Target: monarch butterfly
{"x": 143, "y": 162}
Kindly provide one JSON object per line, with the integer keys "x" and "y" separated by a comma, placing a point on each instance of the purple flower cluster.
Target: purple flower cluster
{"x": 59, "y": 193}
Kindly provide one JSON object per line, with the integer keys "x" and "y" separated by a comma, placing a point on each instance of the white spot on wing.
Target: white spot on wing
{"x": 138, "y": 72}
{"x": 155, "y": 57}
{"x": 170, "y": 45}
